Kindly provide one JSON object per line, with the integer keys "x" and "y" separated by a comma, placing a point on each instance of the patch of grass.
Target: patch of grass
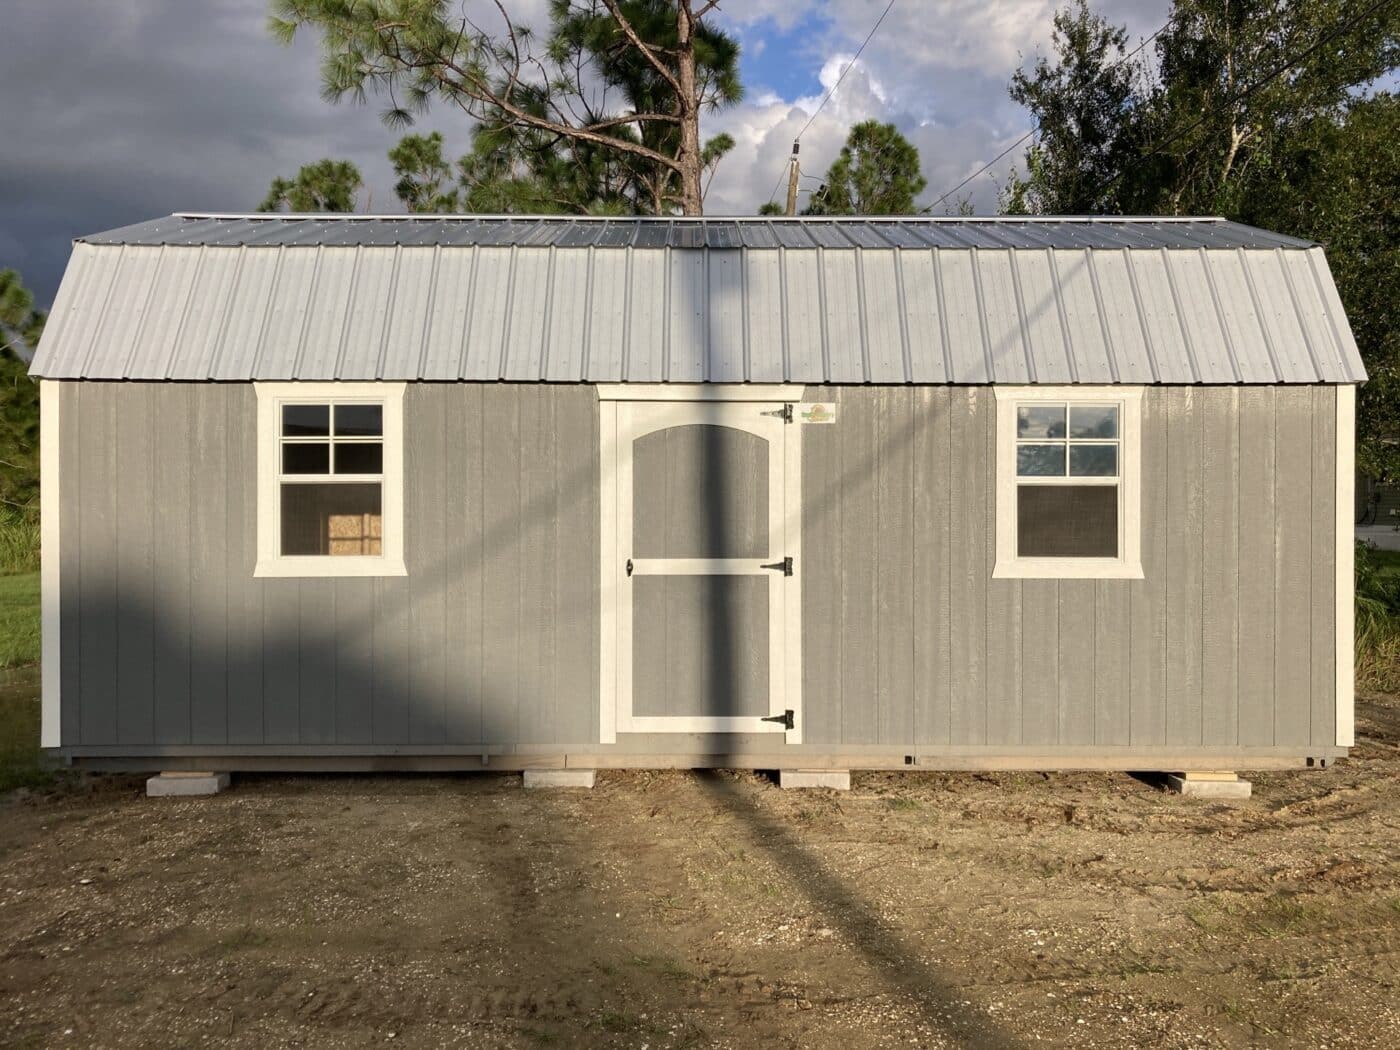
{"x": 19, "y": 540}
{"x": 902, "y": 802}
{"x": 1377, "y": 618}
{"x": 19, "y": 620}
{"x": 21, "y": 764}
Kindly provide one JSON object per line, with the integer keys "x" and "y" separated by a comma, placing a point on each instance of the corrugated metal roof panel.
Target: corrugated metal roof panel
{"x": 615, "y": 300}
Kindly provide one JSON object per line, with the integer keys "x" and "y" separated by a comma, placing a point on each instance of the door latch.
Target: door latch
{"x": 784, "y": 566}
{"x": 629, "y": 566}
{"x": 786, "y": 719}
{"x": 784, "y": 413}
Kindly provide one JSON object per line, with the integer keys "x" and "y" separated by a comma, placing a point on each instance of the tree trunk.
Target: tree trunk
{"x": 688, "y": 109}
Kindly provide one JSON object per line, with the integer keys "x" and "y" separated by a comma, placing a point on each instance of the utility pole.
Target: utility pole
{"x": 792, "y": 181}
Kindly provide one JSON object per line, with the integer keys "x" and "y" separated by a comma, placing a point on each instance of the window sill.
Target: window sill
{"x": 328, "y": 567}
{"x": 1067, "y": 569}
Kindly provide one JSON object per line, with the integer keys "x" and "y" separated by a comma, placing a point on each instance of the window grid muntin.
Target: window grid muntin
{"x": 329, "y": 439}
{"x": 1066, "y": 442}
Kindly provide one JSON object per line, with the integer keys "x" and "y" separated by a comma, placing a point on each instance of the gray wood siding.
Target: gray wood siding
{"x": 1227, "y": 641}
{"x": 492, "y": 638}
{"x": 168, "y": 639}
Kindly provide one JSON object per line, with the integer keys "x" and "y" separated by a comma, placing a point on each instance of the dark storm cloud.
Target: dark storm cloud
{"x": 117, "y": 112}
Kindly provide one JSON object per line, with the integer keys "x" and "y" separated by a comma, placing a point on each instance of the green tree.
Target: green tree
{"x": 426, "y": 180}
{"x": 876, "y": 173}
{"x": 20, "y": 328}
{"x": 604, "y": 114}
{"x": 327, "y": 185}
{"x": 1087, "y": 105}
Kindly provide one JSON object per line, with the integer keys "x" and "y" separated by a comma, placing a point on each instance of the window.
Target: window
{"x": 330, "y": 479}
{"x": 1067, "y": 482}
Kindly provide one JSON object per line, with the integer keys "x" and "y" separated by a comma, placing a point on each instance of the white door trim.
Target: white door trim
{"x": 620, "y": 424}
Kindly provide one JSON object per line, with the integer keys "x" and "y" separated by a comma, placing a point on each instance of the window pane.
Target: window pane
{"x": 311, "y": 458}
{"x": 359, "y": 420}
{"x": 1040, "y": 421}
{"x": 1040, "y": 460}
{"x": 331, "y": 520}
{"x": 1093, "y": 461}
{"x": 1093, "y": 421}
{"x": 359, "y": 459}
{"x": 306, "y": 420}
{"x": 1067, "y": 521}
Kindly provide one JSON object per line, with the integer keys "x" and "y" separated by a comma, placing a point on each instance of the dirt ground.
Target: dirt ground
{"x": 689, "y": 909}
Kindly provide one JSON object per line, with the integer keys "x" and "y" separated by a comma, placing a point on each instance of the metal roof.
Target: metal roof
{"x": 465, "y": 231}
{"x": 727, "y": 300}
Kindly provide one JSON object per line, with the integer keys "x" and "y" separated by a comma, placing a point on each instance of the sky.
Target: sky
{"x": 121, "y": 111}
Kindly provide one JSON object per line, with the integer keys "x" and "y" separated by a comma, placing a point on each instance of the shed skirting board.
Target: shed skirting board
{"x": 330, "y": 759}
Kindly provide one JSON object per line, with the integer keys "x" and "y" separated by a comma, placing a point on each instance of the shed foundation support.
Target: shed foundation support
{"x": 798, "y": 779}
{"x": 558, "y": 778}
{"x": 1209, "y": 785}
{"x": 167, "y": 785}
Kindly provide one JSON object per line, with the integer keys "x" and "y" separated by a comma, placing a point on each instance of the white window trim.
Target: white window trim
{"x": 1128, "y": 564}
{"x": 271, "y": 563}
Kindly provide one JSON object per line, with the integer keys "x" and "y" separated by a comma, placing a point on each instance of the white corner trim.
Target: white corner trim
{"x": 50, "y": 531}
{"x": 1346, "y": 568}
{"x": 270, "y": 563}
{"x": 1128, "y": 565}
{"x": 609, "y": 588}
{"x": 699, "y": 391}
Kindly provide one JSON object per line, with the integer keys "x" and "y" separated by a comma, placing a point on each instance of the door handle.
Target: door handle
{"x": 784, "y": 566}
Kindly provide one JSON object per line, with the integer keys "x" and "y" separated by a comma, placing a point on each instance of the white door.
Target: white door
{"x": 705, "y": 569}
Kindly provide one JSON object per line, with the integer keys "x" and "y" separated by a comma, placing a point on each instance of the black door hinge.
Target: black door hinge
{"x": 784, "y": 566}
{"x": 629, "y": 566}
{"x": 786, "y": 719}
{"x": 784, "y": 413}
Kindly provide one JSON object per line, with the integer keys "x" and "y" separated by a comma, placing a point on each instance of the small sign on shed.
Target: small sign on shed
{"x": 818, "y": 412}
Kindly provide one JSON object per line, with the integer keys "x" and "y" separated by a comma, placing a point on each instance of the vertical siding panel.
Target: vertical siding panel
{"x": 538, "y": 536}
{"x": 98, "y": 539}
{"x": 895, "y": 608}
{"x": 501, "y": 556}
{"x": 1005, "y": 723}
{"x": 281, "y": 644}
{"x": 1112, "y": 661}
{"x": 464, "y": 718}
{"x": 1324, "y": 566}
{"x": 575, "y": 718}
{"x": 393, "y": 658}
{"x": 171, "y": 681}
{"x": 860, "y": 547}
{"x": 316, "y": 662}
{"x": 245, "y": 610}
{"x": 1256, "y": 567}
{"x": 208, "y": 512}
{"x": 71, "y": 498}
{"x": 1220, "y": 481}
{"x": 968, "y": 545}
{"x": 1078, "y": 667}
{"x": 353, "y": 656}
{"x": 821, "y": 574}
{"x": 932, "y": 529}
{"x": 1293, "y": 576}
{"x": 462, "y": 533}
{"x": 425, "y": 533}
{"x": 135, "y": 679}
{"x": 1149, "y": 633}
{"x": 1183, "y": 577}
{"x": 1040, "y": 668}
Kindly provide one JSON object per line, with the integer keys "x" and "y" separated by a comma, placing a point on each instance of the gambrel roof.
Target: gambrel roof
{"x": 870, "y": 300}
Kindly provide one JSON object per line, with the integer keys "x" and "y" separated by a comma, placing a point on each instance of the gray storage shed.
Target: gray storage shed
{"x": 458, "y": 492}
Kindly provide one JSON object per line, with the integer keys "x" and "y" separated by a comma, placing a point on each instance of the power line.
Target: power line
{"x": 849, "y": 66}
{"x": 1251, "y": 89}
{"x": 1030, "y": 133}
{"x": 827, "y": 97}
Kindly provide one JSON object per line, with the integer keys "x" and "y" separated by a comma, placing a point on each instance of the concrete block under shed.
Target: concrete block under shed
{"x": 558, "y": 778}
{"x": 167, "y": 785}
{"x": 1209, "y": 785}
{"x": 799, "y": 779}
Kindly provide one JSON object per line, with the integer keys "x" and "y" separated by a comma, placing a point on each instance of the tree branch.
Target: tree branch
{"x": 616, "y": 11}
